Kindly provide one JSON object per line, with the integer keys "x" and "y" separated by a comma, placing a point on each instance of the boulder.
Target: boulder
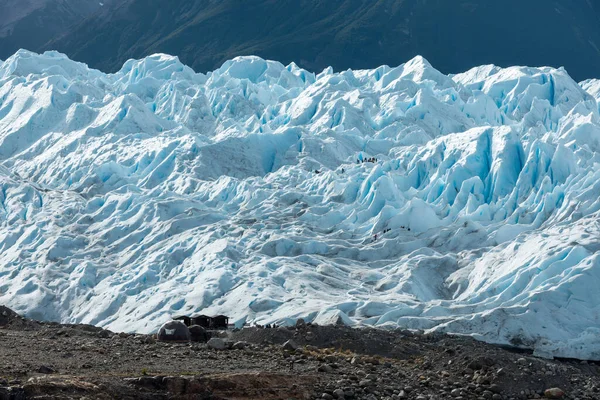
{"x": 217, "y": 344}
{"x": 290, "y": 345}
{"x": 240, "y": 345}
{"x": 554, "y": 393}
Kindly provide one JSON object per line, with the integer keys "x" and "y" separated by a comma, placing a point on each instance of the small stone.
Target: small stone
{"x": 325, "y": 368}
{"x": 327, "y": 396}
{"x": 522, "y": 361}
{"x": 330, "y": 358}
{"x": 374, "y": 361}
{"x": 240, "y": 345}
{"x": 44, "y": 369}
{"x": 148, "y": 340}
{"x": 495, "y": 388}
{"x": 338, "y": 394}
{"x": 290, "y": 345}
{"x": 480, "y": 363}
{"x": 554, "y": 393}
{"x": 103, "y": 334}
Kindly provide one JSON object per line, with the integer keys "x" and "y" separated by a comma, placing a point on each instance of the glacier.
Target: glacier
{"x": 392, "y": 197}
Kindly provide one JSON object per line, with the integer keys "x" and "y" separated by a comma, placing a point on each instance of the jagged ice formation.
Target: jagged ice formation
{"x": 129, "y": 197}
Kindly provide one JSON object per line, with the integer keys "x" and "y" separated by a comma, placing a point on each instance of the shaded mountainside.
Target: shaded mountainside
{"x": 454, "y": 36}
{"x": 30, "y": 23}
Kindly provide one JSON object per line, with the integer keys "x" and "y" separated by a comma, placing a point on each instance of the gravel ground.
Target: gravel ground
{"x": 52, "y": 361}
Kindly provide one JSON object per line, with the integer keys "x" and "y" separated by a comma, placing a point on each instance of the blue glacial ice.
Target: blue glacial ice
{"x": 126, "y": 198}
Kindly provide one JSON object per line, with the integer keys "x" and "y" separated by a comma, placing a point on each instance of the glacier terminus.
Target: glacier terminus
{"x": 392, "y": 197}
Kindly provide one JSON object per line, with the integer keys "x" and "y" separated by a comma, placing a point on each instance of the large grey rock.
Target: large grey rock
{"x": 217, "y": 344}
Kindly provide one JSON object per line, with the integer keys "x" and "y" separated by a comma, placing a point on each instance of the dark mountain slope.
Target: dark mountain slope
{"x": 30, "y": 23}
{"x": 453, "y": 35}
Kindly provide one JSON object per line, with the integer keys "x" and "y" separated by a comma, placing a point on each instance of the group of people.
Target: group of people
{"x": 383, "y": 233}
{"x": 370, "y": 159}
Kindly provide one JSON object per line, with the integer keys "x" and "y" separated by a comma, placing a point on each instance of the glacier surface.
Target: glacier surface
{"x": 126, "y": 198}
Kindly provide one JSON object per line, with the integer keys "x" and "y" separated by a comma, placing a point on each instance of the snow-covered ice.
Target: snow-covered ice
{"x": 129, "y": 197}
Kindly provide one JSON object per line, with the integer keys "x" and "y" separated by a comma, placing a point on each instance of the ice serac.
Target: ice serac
{"x": 250, "y": 191}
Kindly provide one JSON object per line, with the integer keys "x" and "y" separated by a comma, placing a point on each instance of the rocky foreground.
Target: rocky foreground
{"x": 53, "y": 361}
